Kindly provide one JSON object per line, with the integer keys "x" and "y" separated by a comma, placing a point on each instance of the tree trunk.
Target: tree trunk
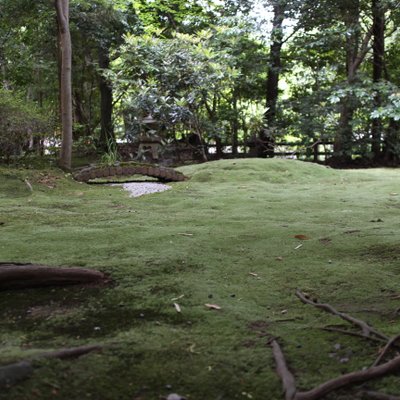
{"x": 218, "y": 144}
{"x": 106, "y": 103}
{"x": 79, "y": 113}
{"x": 235, "y": 126}
{"x": 272, "y": 91}
{"x": 392, "y": 140}
{"x": 62, "y": 9}
{"x": 342, "y": 146}
{"x": 354, "y": 56}
{"x": 378, "y": 69}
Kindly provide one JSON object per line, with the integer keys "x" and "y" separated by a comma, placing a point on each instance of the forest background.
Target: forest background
{"x": 236, "y": 75}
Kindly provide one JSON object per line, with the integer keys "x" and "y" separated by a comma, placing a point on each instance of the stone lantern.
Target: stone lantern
{"x": 149, "y": 141}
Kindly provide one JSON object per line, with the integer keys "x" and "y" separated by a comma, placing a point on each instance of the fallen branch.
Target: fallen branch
{"x": 350, "y": 379}
{"x": 19, "y": 276}
{"x": 350, "y": 333}
{"x": 366, "y": 329}
{"x": 14, "y": 373}
{"x": 73, "y": 352}
{"x": 287, "y": 378}
{"x": 389, "y": 344}
{"x": 367, "y": 394}
{"x": 331, "y": 385}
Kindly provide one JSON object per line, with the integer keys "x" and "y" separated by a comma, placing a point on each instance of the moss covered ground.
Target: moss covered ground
{"x": 225, "y": 237}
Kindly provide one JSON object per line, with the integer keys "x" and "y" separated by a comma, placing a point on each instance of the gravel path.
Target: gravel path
{"x": 138, "y": 189}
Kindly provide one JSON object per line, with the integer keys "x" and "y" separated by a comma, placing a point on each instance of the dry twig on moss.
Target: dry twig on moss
{"x": 389, "y": 344}
{"x": 375, "y": 371}
{"x": 287, "y": 378}
{"x": 367, "y": 394}
{"x": 289, "y": 384}
{"x": 350, "y": 333}
{"x": 366, "y": 329}
{"x": 73, "y": 352}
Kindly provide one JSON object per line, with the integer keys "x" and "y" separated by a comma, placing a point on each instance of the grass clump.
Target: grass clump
{"x": 193, "y": 245}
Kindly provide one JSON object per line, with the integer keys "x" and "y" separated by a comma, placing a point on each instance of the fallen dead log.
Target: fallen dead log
{"x": 16, "y": 372}
{"x": 20, "y": 276}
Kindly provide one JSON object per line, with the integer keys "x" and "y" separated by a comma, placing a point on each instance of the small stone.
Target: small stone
{"x": 175, "y": 396}
{"x": 337, "y": 346}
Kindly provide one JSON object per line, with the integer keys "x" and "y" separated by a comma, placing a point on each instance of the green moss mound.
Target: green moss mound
{"x": 13, "y": 186}
{"x": 264, "y": 170}
{"x": 229, "y": 236}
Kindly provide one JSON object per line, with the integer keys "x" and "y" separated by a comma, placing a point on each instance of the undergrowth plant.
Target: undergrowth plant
{"x": 111, "y": 157}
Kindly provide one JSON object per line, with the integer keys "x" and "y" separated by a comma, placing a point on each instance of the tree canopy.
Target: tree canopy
{"x": 245, "y": 77}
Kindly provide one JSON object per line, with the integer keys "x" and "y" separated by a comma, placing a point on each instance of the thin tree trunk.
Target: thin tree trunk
{"x": 106, "y": 102}
{"x": 378, "y": 69}
{"x": 356, "y": 50}
{"x": 79, "y": 113}
{"x": 212, "y": 114}
{"x": 235, "y": 126}
{"x": 392, "y": 140}
{"x": 272, "y": 91}
{"x": 62, "y": 8}
{"x": 218, "y": 144}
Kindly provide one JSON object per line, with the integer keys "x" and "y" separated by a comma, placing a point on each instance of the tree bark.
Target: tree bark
{"x": 391, "y": 152}
{"x": 106, "y": 102}
{"x": 272, "y": 90}
{"x": 235, "y": 125}
{"x": 62, "y": 9}
{"x": 19, "y": 276}
{"x": 354, "y": 56}
{"x": 378, "y": 29}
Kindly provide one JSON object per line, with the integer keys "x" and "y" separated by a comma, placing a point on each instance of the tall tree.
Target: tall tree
{"x": 272, "y": 89}
{"x": 378, "y": 29}
{"x": 356, "y": 49}
{"x": 62, "y": 9}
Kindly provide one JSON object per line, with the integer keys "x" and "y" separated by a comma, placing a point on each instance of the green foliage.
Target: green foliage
{"x": 20, "y": 121}
{"x": 201, "y": 66}
{"x": 170, "y": 79}
{"x": 112, "y": 156}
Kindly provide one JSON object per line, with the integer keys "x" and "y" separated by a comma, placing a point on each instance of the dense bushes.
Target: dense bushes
{"x": 21, "y": 126}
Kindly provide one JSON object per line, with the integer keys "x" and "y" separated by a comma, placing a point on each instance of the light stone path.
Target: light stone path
{"x": 137, "y": 189}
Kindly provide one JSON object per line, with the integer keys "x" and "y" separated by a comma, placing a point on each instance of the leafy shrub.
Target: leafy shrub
{"x": 20, "y": 121}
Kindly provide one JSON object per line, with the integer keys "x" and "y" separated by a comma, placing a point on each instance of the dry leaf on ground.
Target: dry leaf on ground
{"x": 213, "y": 306}
{"x": 302, "y": 237}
